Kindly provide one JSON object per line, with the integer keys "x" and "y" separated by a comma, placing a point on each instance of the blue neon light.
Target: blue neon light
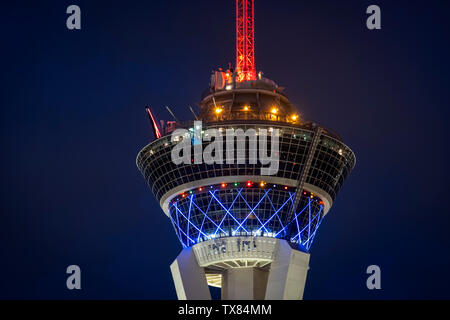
{"x": 189, "y": 219}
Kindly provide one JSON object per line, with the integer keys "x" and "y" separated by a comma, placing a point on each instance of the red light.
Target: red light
{"x": 245, "y": 40}
{"x": 224, "y": 185}
{"x": 249, "y": 184}
{"x": 285, "y": 188}
{"x": 200, "y": 189}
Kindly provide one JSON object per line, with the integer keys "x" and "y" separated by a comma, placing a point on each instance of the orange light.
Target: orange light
{"x": 219, "y": 110}
{"x": 274, "y": 110}
{"x": 262, "y": 184}
{"x": 200, "y": 189}
{"x": 224, "y": 185}
{"x": 246, "y": 108}
{"x": 285, "y": 188}
{"x": 294, "y": 117}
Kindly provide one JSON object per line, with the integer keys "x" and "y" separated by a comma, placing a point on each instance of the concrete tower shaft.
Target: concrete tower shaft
{"x": 245, "y": 40}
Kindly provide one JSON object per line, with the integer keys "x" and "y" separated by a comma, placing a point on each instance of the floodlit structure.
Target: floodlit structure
{"x": 245, "y": 232}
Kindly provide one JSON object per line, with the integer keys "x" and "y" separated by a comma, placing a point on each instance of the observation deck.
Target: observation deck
{"x": 208, "y": 201}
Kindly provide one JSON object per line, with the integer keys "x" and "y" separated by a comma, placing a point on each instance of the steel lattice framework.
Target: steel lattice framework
{"x": 215, "y": 214}
{"x": 245, "y": 40}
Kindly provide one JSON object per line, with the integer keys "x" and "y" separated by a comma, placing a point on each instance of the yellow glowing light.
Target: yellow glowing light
{"x": 262, "y": 184}
{"x": 219, "y": 110}
{"x": 294, "y": 117}
{"x": 246, "y": 108}
{"x": 274, "y": 110}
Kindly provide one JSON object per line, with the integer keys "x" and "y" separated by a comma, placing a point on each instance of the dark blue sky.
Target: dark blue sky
{"x": 73, "y": 121}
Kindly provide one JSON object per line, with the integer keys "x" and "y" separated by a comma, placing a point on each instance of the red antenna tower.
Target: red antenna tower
{"x": 245, "y": 40}
{"x": 155, "y": 126}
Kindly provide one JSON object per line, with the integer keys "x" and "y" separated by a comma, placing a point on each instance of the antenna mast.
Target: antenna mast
{"x": 154, "y": 123}
{"x": 245, "y": 40}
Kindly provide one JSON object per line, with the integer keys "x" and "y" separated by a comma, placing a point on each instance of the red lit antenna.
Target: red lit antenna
{"x": 245, "y": 40}
{"x": 155, "y": 126}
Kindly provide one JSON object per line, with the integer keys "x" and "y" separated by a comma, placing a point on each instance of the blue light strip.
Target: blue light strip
{"x": 189, "y": 222}
{"x": 304, "y": 229}
{"x": 176, "y": 231}
{"x": 204, "y": 218}
{"x": 251, "y": 211}
{"x": 189, "y": 215}
{"x": 304, "y": 221}
{"x": 209, "y": 217}
{"x": 179, "y": 228}
{"x": 273, "y": 207}
{"x": 291, "y": 194}
{"x": 227, "y": 210}
{"x": 293, "y": 220}
{"x": 178, "y": 223}
{"x": 309, "y": 220}
{"x": 310, "y": 241}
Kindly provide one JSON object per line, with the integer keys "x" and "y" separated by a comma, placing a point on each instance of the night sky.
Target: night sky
{"x": 73, "y": 121}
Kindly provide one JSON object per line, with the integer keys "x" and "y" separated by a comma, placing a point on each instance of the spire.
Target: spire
{"x": 245, "y": 40}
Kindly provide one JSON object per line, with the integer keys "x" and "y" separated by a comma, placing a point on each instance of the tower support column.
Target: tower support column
{"x": 244, "y": 284}
{"x": 287, "y": 277}
{"x": 189, "y": 278}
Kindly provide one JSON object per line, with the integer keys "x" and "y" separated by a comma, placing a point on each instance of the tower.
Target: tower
{"x": 245, "y": 40}
{"x": 241, "y": 229}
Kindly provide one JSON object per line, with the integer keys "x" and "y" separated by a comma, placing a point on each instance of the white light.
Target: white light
{"x": 229, "y": 87}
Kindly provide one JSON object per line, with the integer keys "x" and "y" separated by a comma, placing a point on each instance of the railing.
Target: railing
{"x": 240, "y": 118}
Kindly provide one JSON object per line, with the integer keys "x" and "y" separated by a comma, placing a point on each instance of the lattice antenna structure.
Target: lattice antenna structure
{"x": 245, "y": 40}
